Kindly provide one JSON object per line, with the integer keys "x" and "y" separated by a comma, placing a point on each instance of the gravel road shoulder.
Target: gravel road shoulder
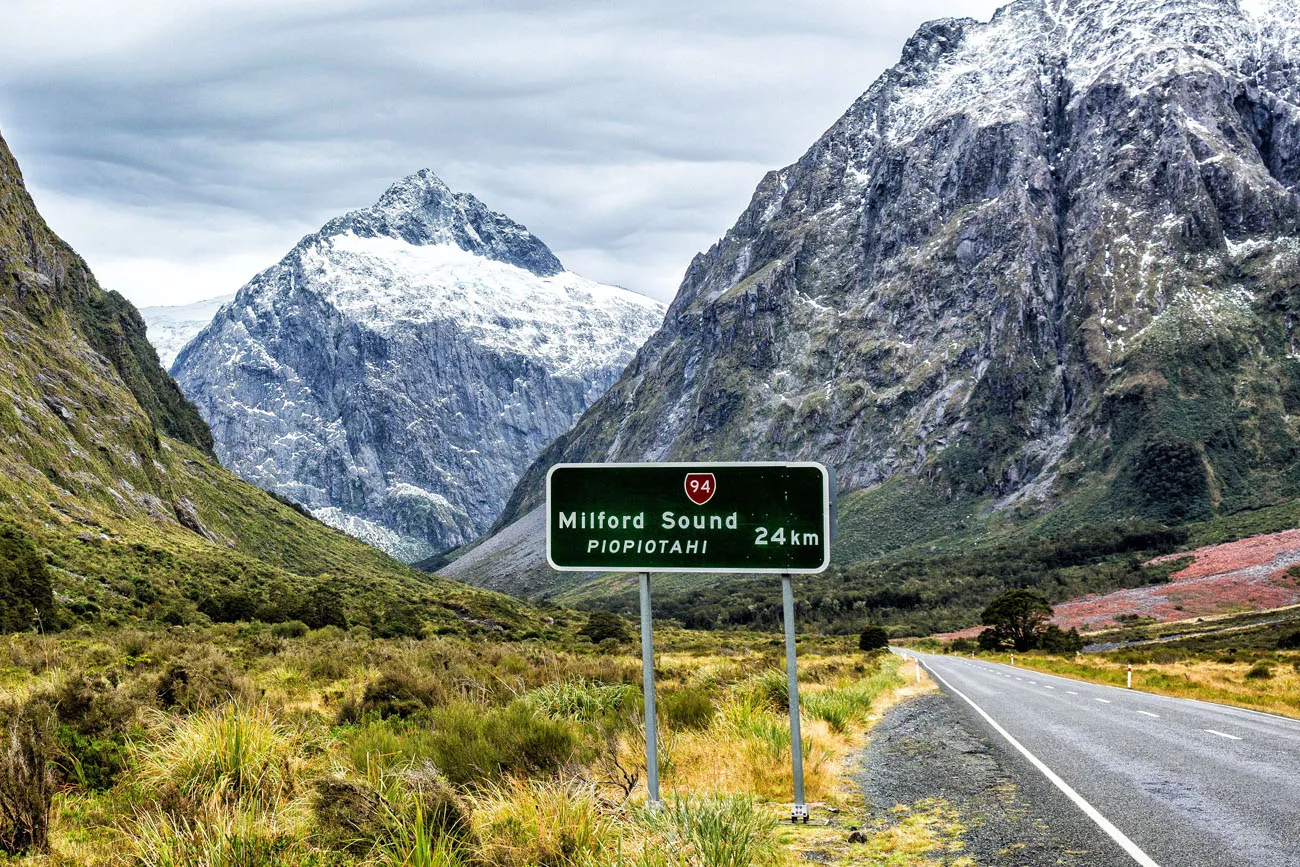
{"x": 925, "y": 751}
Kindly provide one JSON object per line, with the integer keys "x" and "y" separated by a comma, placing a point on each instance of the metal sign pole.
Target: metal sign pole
{"x": 800, "y": 808}
{"x": 648, "y": 687}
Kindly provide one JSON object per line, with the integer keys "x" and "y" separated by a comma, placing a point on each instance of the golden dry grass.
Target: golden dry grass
{"x": 1207, "y": 680}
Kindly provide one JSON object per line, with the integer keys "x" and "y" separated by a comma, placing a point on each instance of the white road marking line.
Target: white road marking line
{"x": 1149, "y": 713}
{"x": 1071, "y": 692}
{"x": 1089, "y": 810}
{"x": 1102, "y": 700}
{"x": 1223, "y": 735}
{"x": 1033, "y": 681}
{"x": 1046, "y": 686}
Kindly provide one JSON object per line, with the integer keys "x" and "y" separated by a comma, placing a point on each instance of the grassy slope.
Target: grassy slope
{"x": 133, "y": 519}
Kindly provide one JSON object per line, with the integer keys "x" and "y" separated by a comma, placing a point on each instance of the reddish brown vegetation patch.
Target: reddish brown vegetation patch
{"x": 1249, "y": 574}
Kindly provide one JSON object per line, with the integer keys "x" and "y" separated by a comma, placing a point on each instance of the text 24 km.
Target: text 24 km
{"x": 763, "y": 537}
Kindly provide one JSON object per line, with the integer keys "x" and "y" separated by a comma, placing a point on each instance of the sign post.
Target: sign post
{"x": 648, "y": 690}
{"x": 724, "y": 518}
{"x": 800, "y": 808}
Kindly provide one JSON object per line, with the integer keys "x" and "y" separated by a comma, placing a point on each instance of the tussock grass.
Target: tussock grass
{"x": 522, "y": 823}
{"x": 221, "y": 838}
{"x": 712, "y": 831}
{"x": 582, "y": 700}
{"x": 237, "y": 754}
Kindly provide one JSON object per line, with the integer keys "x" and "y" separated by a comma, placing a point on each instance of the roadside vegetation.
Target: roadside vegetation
{"x": 1250, "y": 660}
{"x": 253, "y": 744}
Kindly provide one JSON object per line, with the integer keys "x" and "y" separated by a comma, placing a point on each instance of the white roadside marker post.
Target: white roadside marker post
{"x": 648, "y": 689}
{"x": 1130, "y": 675}
{"x": 800, "y": 809}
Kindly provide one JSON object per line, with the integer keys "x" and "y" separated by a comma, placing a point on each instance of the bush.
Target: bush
{"x": 473, "y": 748}
{"x": 93, "y": 718}
{"x": 1054, "y": 639}
{"x": 202, "y": 678}
{"x": 26, "y": 789}
{"x": 349, "y": 815}
{"x": 873, "y": 638}
{"x": 26, "y": 600}
{"x": 395, "y": 693}
{"x": 1290, "y": 641}
{"x": 290, "y": 629}
{"x": 1260, "y": 671}
{"x": 688, "y": 709}
{"x": 604, "y": 624}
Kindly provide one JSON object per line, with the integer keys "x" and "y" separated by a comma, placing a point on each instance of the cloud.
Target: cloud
{"x": 181, "y": 146}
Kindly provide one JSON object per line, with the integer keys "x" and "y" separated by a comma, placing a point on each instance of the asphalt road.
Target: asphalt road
{"x": 1160, "y": 781}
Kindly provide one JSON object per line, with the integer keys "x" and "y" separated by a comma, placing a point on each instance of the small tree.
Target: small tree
{"x": 605, "y": 624}
{"x": 1054, "y": 639}
{"x": 25, "y": 593}
{"x": 989, "y": 641}
{"x": 1018, "y": 616}
{"x": 873, "y": 638}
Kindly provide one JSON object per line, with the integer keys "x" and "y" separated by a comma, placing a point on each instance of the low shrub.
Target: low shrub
{"x": 26, "y": 789}
{"x": 688, "y": 709}
{"x": 349, "y": 815}
{"x": 290, "y": 629}
{"x": 602, "y": 625}
{"x": 94, "y": 718}
{"x": 1290, "y": 641}
{"x": 472, "y": 747}
{"x": 203, "y": 677}
{"x": 1260, "y": 671}
{"x": 396, "y": 692}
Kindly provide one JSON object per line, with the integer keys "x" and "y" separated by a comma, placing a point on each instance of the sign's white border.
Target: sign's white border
{"x": 697, "y": 465}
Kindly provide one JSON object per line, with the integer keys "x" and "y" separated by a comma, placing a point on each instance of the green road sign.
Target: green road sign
{"x": 727, "y": 517}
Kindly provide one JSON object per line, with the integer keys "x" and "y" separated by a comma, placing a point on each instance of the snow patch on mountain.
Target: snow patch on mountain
{"x": 171, "y": 327}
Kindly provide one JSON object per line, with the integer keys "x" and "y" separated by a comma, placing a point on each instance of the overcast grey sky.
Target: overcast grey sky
{"x": 182, "y": 147}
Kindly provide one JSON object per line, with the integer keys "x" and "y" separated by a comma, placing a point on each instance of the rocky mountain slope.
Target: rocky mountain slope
{"x": 173, "y": 326}
{"x": 399, "y": 369}
{"x": 111, "y": 503}
{"x": 1046, "y": 264}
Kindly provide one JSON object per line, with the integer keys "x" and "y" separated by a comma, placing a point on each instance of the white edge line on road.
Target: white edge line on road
{"x": 1089, "y": 810}
{"x": 1224, "y": 735}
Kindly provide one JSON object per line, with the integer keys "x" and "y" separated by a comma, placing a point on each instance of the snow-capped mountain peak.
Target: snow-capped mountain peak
{"x": 423, "y": 211}
{"x": 398, "y": 369}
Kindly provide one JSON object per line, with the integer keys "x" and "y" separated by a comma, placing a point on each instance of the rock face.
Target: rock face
{"x": 399, "y": 369}
{"x": 1049, "y": 259}
{"x": 170, "y": 328}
